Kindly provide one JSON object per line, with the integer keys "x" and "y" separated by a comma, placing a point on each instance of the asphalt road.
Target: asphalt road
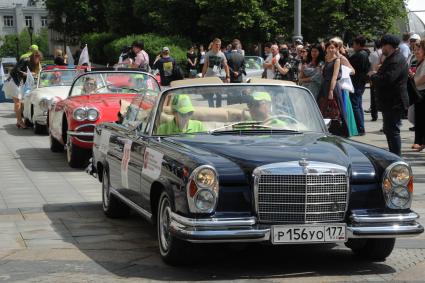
{"x": 52, "y": 229}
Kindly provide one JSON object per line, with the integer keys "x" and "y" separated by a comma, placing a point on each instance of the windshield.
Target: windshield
{"x": 113, "y": 82}
{"x": 237, "y": 107}
{"x": 253, "y": 63}
{"x": 57, "y": 77}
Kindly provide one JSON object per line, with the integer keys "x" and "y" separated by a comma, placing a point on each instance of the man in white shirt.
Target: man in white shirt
{"x": 375, "y": 59}
{"x": 269, "y": 63}
{"x": 404, "y": 45}
{"x": 142, "y": 58}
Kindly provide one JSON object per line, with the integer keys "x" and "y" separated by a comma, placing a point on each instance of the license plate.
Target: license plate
{"x": 326, "y": 233}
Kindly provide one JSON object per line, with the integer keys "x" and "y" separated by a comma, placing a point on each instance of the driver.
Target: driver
{"x": 50, "y": 79}
{"x": 56, "y": 78}
{"x": 89, "y": 85}
{"x": 260, "y": 108}
{"x": 182, "y": 109}
{"x": 139, "y": 81}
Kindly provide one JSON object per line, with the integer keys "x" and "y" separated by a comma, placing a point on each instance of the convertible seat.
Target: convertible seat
{"x": 269, "y": 81}
{"x": 196, "y": 81}
{"x": 212, "y": 118}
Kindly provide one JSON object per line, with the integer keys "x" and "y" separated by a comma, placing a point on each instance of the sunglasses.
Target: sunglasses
{"x": 256, "y": 103}
{"x": 185, "y": 115}
{"x": 90, "y": 84}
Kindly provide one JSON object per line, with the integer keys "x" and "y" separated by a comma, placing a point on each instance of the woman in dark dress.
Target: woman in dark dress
{"x": 192, "y": 61}
{"x": 331, "y": 90}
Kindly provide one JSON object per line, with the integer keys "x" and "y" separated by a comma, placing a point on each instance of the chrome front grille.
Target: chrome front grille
{"x": 290, "y": 193}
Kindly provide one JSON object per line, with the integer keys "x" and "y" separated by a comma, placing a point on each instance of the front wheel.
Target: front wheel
{"x": 77, "y": 157}
{"x": 39, "y": 129}
{"x": 372, "y": 249}
{"x": 172, "y": 249}
{"x": 112, "y": 206}
{"x": 55, "y": 146}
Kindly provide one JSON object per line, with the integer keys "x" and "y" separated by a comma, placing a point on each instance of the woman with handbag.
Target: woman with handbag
{"x": 419, "y": 78}
{"x": 18, "y": 77}
{"x": 330, "y": 99}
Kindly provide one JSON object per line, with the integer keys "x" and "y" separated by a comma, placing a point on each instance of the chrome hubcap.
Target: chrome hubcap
{"x": 164, "y": 224}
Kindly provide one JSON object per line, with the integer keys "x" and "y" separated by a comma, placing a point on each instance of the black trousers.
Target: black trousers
{"x": 373, "y": 109}
{"x": 420, "y": 123}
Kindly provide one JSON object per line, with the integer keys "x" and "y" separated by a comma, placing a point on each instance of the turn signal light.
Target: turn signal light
{"x": 192, "y": 189}
{"x": 410, "y": 185}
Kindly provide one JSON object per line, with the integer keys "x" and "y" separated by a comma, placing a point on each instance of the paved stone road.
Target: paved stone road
{"x": 52, "y": 230}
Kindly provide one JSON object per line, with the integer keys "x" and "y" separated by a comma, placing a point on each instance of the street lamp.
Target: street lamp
{"x": 30, "y": 31}
{"x": 297, "y": 21}
{"x": 17, "y": 48}
{"x": 63, "y": 19}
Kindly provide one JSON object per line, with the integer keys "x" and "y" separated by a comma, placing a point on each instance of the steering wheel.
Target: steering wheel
{"x": 286, "y": 117}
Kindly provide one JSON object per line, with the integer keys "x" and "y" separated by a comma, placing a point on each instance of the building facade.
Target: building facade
{"x": 17, "y": 15}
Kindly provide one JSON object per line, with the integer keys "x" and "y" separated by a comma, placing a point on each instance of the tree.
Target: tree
{"x": 250, "y": 20}
{"x": 347, "y": 18}
{"x": 8, "y": 47}
{"x": 82, "y": 16}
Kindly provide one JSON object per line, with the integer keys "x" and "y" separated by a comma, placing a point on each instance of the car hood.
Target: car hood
{"x": 60, "y": 92}
{"x": 249, "y": 152}
{"x": 100, "y": 101}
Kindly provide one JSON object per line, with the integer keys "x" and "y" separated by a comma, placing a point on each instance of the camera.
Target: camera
{"x": 290, "y": 63}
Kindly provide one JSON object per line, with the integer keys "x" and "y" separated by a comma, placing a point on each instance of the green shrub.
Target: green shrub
{"x": 96, "y": 43}
{"x": 153, "y": 46}
{"x": 8, "y": 43}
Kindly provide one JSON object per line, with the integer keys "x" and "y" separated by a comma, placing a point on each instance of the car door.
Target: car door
{"x": 127, "y": 151}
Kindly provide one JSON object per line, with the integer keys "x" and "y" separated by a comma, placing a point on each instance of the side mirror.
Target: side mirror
{"x": 327, "y": 123}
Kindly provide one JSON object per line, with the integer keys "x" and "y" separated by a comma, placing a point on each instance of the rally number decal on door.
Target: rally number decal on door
{"x": 124, "y": 163}
{"x": 152, "y": 163}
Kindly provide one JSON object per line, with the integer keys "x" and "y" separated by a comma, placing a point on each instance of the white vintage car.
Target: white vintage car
{"x": 53, "y": 84}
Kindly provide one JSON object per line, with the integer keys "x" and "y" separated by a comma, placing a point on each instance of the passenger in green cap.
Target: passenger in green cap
{"x": 260, "y": 109}
{"x": 31, "y": 50}
{"x": 181, "y": 106}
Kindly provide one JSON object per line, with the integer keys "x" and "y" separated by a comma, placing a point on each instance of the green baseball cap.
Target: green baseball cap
{"x": 261, "y": 95}
{"x": 34, "y": 47}
{"x": 181, "y": 103}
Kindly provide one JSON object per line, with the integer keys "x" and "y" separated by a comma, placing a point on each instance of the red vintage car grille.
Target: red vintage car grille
{"x": 88, "y": 128}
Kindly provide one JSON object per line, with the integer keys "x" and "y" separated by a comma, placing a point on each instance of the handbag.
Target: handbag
{"x": 415, "y": 95}
{"x": 345, "y": 81}
{"x": 329, "y": 108}
{"x": 11, "y": 90}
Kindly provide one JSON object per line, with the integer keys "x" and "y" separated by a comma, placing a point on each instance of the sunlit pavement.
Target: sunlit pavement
{"x": 52, "y": 229}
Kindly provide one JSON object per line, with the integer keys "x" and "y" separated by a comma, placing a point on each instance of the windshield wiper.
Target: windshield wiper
{"x": 242, "y": 126}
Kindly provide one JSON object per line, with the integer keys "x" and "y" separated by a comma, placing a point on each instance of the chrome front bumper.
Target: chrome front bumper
{"x": 247, "y": 229}
{"x": 41, "y": 119}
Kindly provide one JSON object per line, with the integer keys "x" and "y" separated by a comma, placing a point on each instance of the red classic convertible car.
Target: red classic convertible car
{"x": 95, "y": 97}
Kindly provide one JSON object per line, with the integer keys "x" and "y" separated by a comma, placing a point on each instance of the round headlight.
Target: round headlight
{"x": 92, "y": 114}
{"x": 44, "y": 104}
{"x": 80, "y": 114}
{"x": 205, "y": 200}
{"x": 206, "y": 177}
{"x": 400, "y": 175}
{"x": 400, "y": 197}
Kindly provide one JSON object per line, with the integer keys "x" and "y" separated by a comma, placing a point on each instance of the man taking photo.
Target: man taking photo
{"x": 390, "y": 82}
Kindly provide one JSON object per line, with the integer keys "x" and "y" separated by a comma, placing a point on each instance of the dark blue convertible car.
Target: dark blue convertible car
{"x": 249, "y": 163}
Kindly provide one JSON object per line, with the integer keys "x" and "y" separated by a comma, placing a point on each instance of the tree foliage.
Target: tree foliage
{"x": 82, "y": 16}
{"x": 8, "y": 48}
{"x": 348, "y": 18}
{"x": 249, "y": 20}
